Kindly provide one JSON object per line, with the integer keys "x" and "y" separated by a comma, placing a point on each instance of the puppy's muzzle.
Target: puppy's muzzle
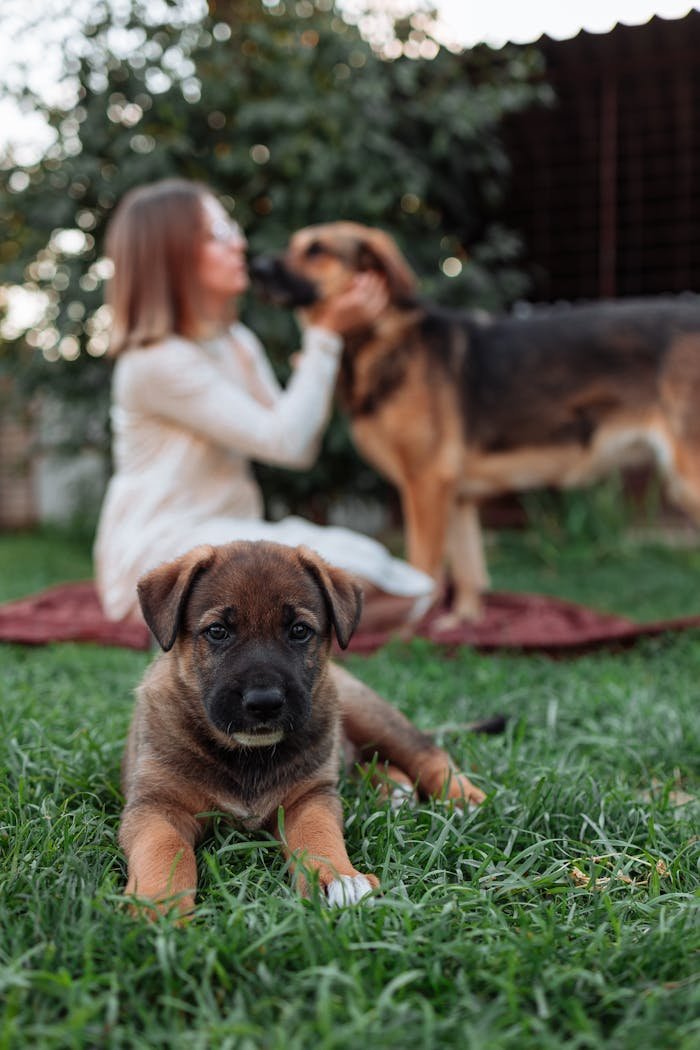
{"x": 263, "y": 702}
{"x": 279, "y": 285}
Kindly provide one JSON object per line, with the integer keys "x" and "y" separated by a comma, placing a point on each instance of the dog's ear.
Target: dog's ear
{"x": 163, "y": 593}
{"x": 378, "y": 251}
{"x": 341, "y": 593}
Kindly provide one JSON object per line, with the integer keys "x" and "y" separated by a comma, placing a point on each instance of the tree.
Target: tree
{"x": 292, "y": 117}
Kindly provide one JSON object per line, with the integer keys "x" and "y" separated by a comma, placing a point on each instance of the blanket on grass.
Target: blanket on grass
{"x": 529, "y": 622}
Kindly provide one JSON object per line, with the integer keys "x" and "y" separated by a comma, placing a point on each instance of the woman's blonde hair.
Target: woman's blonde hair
{"x": 153, "y": 240}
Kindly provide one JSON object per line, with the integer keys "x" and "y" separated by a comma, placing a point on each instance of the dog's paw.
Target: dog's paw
{"x": 397, "y": 792}
{"x": 348, "y": 889}
{"x": 440, "y": 782}
{"x": 402, "y": 795}
{"x": 179, "y": 909}
{"x": 462, "y": 795}
{"x": 464, "y": 615}
{"x": 460, "y": 808}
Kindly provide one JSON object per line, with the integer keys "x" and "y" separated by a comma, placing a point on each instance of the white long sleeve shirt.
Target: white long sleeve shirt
{"x": 186, "y": 418}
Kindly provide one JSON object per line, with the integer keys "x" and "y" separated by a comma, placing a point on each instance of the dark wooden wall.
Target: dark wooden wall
{"x": 606, "y": 183}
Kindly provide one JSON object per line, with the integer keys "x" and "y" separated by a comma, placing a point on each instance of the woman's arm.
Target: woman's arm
{"x": 259, "y": 363}
{"x": 179, "y": 383}
{"x": 358, "y": 306}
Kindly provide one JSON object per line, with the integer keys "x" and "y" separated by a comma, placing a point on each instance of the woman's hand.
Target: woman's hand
{"x": 358, "y": 307}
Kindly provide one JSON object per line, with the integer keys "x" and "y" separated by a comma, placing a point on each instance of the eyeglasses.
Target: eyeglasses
{"x": 226, "y": 231}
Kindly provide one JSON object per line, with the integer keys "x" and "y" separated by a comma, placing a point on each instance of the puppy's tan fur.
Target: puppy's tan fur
{"x": 242, "y": 625}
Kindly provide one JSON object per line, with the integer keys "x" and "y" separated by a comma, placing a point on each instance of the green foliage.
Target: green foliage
{"x": 288, "y": 113}
{"x": 599, "y": 514}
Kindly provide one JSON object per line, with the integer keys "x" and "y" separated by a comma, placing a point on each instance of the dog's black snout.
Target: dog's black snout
{"x": 263, "y": 701}
{"x": 262, "y": 266}
{"x": 275, "y": 282}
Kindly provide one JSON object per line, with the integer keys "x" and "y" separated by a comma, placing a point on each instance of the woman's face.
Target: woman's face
{"x": 222, "y": 267}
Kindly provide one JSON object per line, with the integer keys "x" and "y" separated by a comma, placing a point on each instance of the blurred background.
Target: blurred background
{"x": 517, "y": 157}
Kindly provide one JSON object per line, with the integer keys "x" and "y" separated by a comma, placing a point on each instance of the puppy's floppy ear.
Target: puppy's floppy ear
{"x": 341, "y": 593}
{"x": 163, "y": 592}
{"x": 378, "y": 251}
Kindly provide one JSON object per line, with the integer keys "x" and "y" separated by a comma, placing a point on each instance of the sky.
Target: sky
{"x": 520, "y": 21}
{"x": 465, "y": 22}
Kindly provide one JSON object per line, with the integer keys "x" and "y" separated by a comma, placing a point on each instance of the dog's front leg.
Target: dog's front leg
{"x": 313, "y": 839}
{"x": 427, "y": 501}
{"x": 467, "y": 564}
{"x": 160, "y": 857}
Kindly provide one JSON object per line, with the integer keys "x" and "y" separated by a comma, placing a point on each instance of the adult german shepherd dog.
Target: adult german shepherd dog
{"x": 453, "y": 408}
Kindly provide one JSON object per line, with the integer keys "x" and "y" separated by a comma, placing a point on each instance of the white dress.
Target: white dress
{"x": 186, "y": 419}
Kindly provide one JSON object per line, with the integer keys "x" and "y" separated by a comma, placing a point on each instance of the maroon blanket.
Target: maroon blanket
{"x": 71, "y": 612}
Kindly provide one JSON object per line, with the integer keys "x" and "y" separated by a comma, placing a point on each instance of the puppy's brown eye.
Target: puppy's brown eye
{"x": 216, "y": 632}
{"x": 300, "y": 632}
{"x": 315, "y": 248}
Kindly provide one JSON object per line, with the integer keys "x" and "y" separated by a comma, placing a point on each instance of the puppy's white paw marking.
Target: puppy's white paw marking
{"x": 460, "y": 808}
{"x": 472, "y": 807}
{"x": 347, "y": 889}
{"x": 402, "y": 795}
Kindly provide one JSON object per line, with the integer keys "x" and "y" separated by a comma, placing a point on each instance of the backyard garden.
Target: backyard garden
{"x": 561, "y": 913}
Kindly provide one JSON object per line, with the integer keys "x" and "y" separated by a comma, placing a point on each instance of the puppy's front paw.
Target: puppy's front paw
{"x": 349, "y": 889}
{"x": 180, "y": 909}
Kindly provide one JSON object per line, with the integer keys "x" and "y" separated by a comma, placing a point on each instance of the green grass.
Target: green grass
{"x": 482, "y": 938}
{"x": 653, "y": 582}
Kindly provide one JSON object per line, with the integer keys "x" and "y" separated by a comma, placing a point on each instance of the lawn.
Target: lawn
{"x": 563, "y": 913}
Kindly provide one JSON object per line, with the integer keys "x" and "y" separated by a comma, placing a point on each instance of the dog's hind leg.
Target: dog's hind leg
{"x": 683, "y": 480}
{"x": 374, "y": 726}
{"x": 677, "y": 431}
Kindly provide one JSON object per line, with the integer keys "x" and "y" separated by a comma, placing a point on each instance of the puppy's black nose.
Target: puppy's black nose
{"x": 263, "y": 701}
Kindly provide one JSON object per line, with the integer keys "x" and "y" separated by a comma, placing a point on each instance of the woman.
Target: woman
{"x": 194, "y": 399}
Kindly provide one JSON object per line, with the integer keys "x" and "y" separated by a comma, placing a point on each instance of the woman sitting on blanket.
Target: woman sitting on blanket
{"x": 194, "y": 399}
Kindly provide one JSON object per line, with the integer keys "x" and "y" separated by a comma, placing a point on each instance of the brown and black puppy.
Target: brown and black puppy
{"x": 243, "y": 714}
{"x": 452, "y": 408}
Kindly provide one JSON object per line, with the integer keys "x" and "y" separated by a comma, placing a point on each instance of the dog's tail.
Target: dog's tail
{"x": 492, "y": 725}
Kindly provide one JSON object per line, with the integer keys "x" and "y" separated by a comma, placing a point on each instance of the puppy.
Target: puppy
{"x": 243, "y": 714}
{"x": 453, "y": 408}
